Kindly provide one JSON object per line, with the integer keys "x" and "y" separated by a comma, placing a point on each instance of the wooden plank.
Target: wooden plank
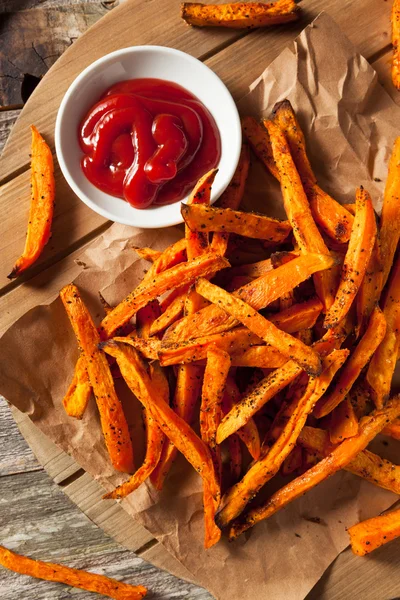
{"x": 7, "y": 120}
{"x": 132, "y": 23}
{"x": 15, "y": 454}
{"x": 45, "y": 524}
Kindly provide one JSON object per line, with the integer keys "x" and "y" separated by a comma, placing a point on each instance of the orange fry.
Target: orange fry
{"x": 258, "y": 138}
{"x": 113, "y": 422}
{"x": 217, "y": 369}
{"x": 370, "y": 341}
{"x": 197, "y": 241}
{"x": 148, "y": 254}
{"x": 42, "y": 204}
{"x": 263, "y": 357}
{"x": 175, "y": 428}
{"x": 201, "y": 218}
{"x": 365, "y": 464}
{"x": 298, "y": 210}
{"x": 78, "y": 394}
{"x": 92, "y": 582}
{"x": 232, "y": 197}
{"x": 239, "y": 15}
{"x": 370, "y": 289}
{"x": 395, "y": 17}
{"x": 298, "y": 316}
{"x": 291, "y": 347}
{"x": 390, "y": 217}
{"x": 383, "y": 363}
{"x": 367, "y": 536}
{"x": 170, "y": 315}
{"x": 362, "y": 240}
{"x": 339, "y": 458}
{"x": 172, "y": 256}
{"x": 181, "y": 274}
{"x": 236, "y": 499}
{"x": 145, "y": 318}
{"x": 249, "y": 432}
{"x": 258, "y": 293}
{"x": 187, "y": 391}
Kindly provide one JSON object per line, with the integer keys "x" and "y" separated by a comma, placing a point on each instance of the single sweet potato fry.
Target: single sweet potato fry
{"x": 362, "y": 240}
{"x": 291, "y": 347}
{"x": 170, "y": 315}
{"x": 83, "y": 580}
{"x": 197, "y": 241}
{"x": 181, "y": 274}
{"x": 42, "y": 204}
{"x": 232, "y": 197}
{"x": 298, "y": 316}
{"x": 370, "y": 289}
{"x": 258, "y": 293}
{"x": 395, "y": 17}
{"x": 383, "y": 363}
{"x": 252, "y": 270}
{"x": 172, "y": 256}
{"x": 367, "y": 536}
{"x": 230, "y": 341}
{"x": 258, "y": 138}
{"x": 145, "y": 318}
{"x": 148, "y": 254}
{"x": 217, "y": 369}
{"x": 365, "y": 464}
{"x": 239, "y": 15}
{"x": 113, "y": 422}
{"x": 201, "y": 218}
{"x": 175, "y": 428}
{"x": 78, "y": 394}
{"x": 344, "y": 423}
{"x": 370, "y": 341}
{"x": 339, "y": 458}
{"x": 236, "y": 499}
{"x": 263, "y": 357}
{"x": 188, "y": 386}
{"x": 298, "y": 210}
{"x": 331, "y": 216}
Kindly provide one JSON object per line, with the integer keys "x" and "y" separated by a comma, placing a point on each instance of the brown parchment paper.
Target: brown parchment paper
{"x": 350, "y": 124}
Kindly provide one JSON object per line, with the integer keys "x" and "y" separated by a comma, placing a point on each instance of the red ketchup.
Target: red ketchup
{"x": 148, "y": 141}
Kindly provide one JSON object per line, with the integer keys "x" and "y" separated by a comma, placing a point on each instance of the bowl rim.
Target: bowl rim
{"x": 173, "y": 220}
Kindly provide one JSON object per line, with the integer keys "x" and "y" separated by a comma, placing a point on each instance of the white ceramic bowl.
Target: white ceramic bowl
{"x": 131, "y": 63}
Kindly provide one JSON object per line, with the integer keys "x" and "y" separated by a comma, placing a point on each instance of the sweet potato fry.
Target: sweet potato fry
{"x": 170, "y": 315}
{"x": 390, "y": 228}
{"x": 92, "y": 582}
{"x": 365, "y": 464}
{"x": 113, "y": 422}
{"x": 258, "y": 293}
{"x": 331, "y": 216}
{"x": 298, "y": 316}
{"x": 393, "y": 429}
{"x": 258, "y": 138}
{"x": 78, "y": 394}
{"x": 395, "y": 17}
{"x": 187, "y": 390}
{"x": 232, "y": 197}
{"x": 42, "y": 204}
{"x": 148, "y": 254}
{"x": 339, "y": 458}
{"x": 351, "y": 208}
{"x": 344, "y": 423}
{"x": 370, "y": 289}
{"x": 145, "y": 318}
{"x": 249, "y": 432}
{"x": 201, "y": 218}
{"x": 181, "y": 274}
{"x": 298, "y": 210}
{"x": 236, "y": 499}
{"x": 239, "y": 15}
{"x": 252, "y": 270}
{"x": 197, "y": 241}
{"x": 148, "y": 348}
{"x": 217, "y": 369}
{"x": 230, "y": 341}
{"x": 362, "y": 240}
{"x": 367, "y": 536}
{"x": 293, "y": 348}
{"x": 172, "y": 256}
{"x": 370, "y": 341}
{"x": 382, "y": 365}
{"x": 263, "y": 357}
{"x": 154, "y": 445}
{"x": 175, "y": 428}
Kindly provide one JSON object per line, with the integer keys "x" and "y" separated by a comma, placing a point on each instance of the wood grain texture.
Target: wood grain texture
{"x": 7, "y": 120}
{"x": 46, "y": 525}
{"x": 15, "y": 454}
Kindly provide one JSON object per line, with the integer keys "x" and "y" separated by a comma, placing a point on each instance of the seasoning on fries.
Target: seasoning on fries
{"x": 42, "y": 204}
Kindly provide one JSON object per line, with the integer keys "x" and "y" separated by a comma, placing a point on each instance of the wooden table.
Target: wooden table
{"x": 36, "y": 516}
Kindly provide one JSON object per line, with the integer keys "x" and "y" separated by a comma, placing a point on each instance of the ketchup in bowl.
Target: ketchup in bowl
{"x": 148, "y": 141}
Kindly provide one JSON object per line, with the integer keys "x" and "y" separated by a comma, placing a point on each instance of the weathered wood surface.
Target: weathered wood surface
{"x": 46, "y": 524}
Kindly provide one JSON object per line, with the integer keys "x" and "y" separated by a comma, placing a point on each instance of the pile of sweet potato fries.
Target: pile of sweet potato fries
{"x": 280, "y": 338}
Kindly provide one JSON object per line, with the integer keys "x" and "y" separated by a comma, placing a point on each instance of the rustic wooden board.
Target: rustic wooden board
{"x": 238, "y": 57}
